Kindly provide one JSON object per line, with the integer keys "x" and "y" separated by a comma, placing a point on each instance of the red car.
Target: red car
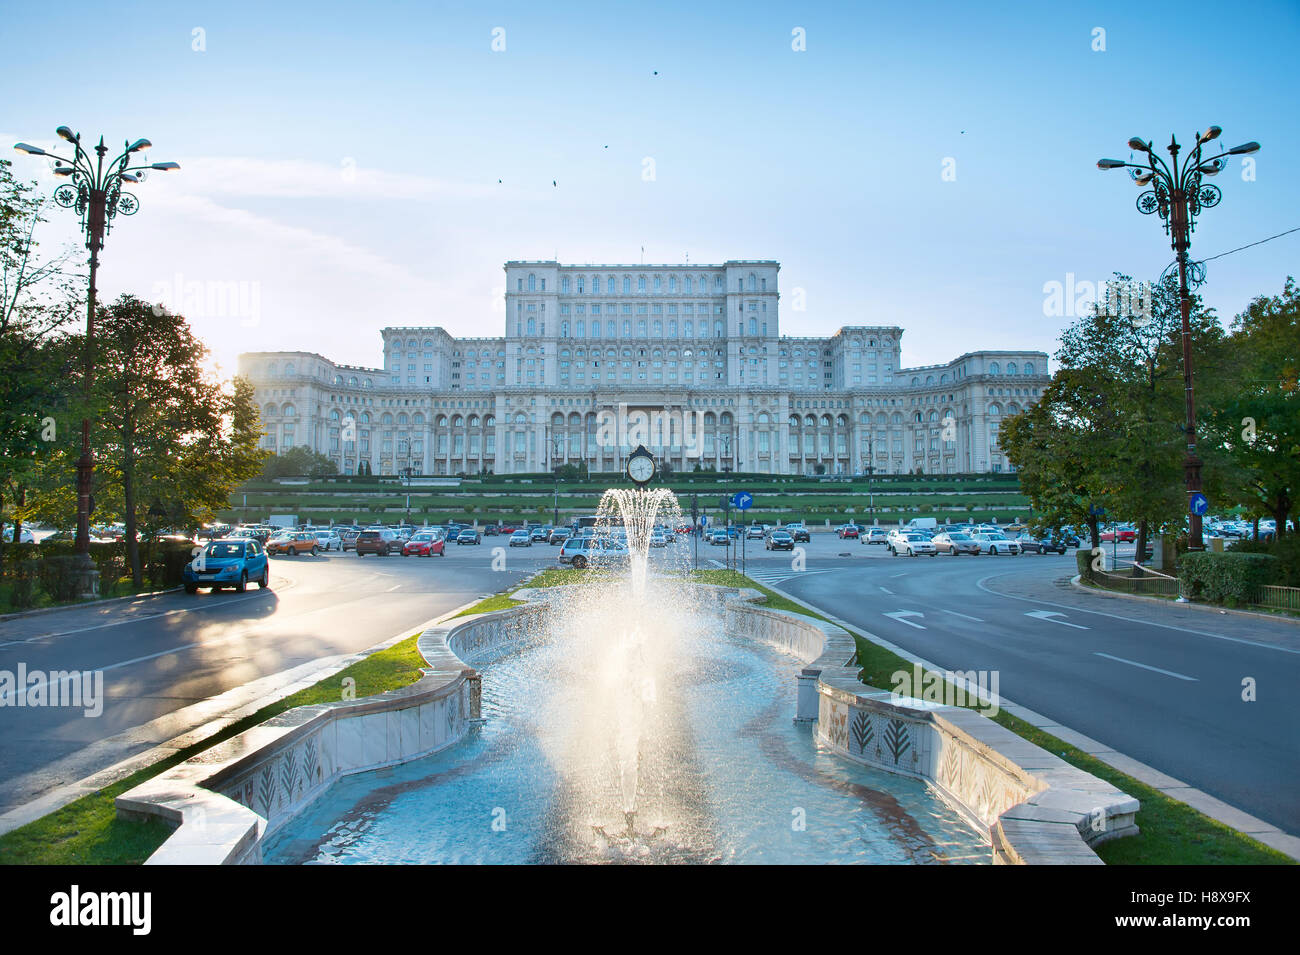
{"x": 849, "y": 532}
{"x": 425, "y": 544}
{"x": 1127, "y": 535}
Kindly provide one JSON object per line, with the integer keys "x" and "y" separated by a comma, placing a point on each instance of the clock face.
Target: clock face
{"x": 641, "y": 469}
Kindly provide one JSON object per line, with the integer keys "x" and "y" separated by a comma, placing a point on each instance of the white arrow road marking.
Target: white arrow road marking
{"x": 1050, "y": 615}
{"x": 965, "y": 615}
{"x": 899, "y": 615}
{"x": 1134, "y": 663}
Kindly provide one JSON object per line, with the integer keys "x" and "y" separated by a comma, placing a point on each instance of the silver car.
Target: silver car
{"x": 996, "y": 544}
{"x": 914, "y": 545}
{"x": 956, "y": 543}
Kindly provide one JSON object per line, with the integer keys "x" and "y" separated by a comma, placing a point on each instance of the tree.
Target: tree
{"x": 37, "y": 299}
{"x": 1254, "y": 416}
{"x": 171, "y": 440}
{"x": 299, "y": 461}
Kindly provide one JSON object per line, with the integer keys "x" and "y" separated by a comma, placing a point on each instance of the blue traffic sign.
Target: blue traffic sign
{"x": 1199, "y": 504}
{"x": 1096, "y": 511}
{"x": 741, "y": 500}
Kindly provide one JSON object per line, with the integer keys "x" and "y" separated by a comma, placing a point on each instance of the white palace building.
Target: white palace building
{"x": 680, "y": 343}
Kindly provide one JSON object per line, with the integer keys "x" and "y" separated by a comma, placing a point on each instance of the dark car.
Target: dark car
{"x": 798, "y": 533}
{"x": 380, "y": 541}
{"x": 779, "y": 540}
{"x": 469, "y": 536}
{"x": 1042, "y": 544}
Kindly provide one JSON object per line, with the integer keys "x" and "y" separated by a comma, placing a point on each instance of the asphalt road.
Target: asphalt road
{"x": 1160, "y": 683}
{"x": 160, "y": 655}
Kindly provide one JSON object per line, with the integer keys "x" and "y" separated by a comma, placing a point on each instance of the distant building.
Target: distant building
{"x": 689, "y": 343}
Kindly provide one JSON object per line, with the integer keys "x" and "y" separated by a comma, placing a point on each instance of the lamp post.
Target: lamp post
{"x": 94, "y": 191}
{"x": 406, "y": 480}
{"x": 1178, "y": 194}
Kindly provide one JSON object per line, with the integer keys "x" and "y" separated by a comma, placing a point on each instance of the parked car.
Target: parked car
{"x": 955, "y": 543}
{"x": 849, "y": 531}
{"x": 469, "y": 536}
{"x": 227, "y": 563}
{"x": 779, "y": 540}
{"x": 293, "y": 543}
{"x": 349, "y": 539}
{"x": 874, "y": 535}
{"x": 658, "y": 539}
{"x": 718, "y": 536}
{"x": 559, "y": 535}
{"x": 913, "y": 545}
{"x": 996, "y": 544}
{"x": 798, "y": 533}
{"x": 521, "y": 539}
{"x": 491, "y": 530}
{"x": 583, "y": 552}
{"x": 425, "y": 544}
{"x": 1042, "y": 544}
{"x": 329, "y": 540}
{"x": 25, "y": 536}
{"x": 380, "y": 541}
{"x": 540, "y": 534}
{"x": 1126, "y": 534}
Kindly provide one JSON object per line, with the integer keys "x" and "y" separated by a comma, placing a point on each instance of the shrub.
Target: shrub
{"x": 58, "y": 577}
{"x": 22, "y": 591}
{"x": 1083, "y": 559}
{"x": 1229, "y": 578}
{"x": 1285, "y": 549}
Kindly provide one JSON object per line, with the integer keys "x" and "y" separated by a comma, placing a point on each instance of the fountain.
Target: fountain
{"x": 630, "y": 727}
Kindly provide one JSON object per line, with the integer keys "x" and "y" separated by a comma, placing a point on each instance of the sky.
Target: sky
{"x": 347, "y": 167}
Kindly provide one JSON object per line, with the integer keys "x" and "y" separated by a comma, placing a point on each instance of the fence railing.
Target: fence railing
{"x": 1279, "y": 598}
{"x": 1149, "y": 582}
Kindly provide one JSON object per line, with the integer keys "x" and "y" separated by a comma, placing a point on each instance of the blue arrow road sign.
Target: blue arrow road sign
{"x": 741, "y": 500}
{"x": 1199, "y": 504}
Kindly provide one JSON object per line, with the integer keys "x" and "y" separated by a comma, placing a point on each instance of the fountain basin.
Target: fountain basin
{"x": 230, "y": 801}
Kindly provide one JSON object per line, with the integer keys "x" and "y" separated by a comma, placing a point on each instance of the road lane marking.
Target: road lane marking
{"x": 901, "y": 615}
{"x": 124, "y": 663}
{"x": 966, "y": 615}
{"x": 1051, "y": 615}
{"x": 887, "y": 590}
{"x": 904, "y": 573}
{"x": 1134, "y": 663}
{"x": 1146, "y": 623}
{"x": 225, "y": 602}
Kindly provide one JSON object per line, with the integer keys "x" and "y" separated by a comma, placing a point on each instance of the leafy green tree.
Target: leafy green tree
{"x": 298, "y": 461}
{"x": 1254, "y": 415}
{"x": 171, "y": 440}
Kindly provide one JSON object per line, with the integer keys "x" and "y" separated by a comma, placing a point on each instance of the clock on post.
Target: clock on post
{"x": 641, "y": 466}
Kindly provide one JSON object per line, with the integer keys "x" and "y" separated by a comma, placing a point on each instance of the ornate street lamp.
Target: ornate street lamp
{"x": 94, "y": 191}
{"x": 1178, "y": 193}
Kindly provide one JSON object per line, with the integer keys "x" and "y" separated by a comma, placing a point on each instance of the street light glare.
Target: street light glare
{"x": 29, "y": 150}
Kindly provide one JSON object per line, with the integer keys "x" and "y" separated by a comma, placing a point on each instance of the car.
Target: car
{"x": 849, "y": 531}
{"x": 521, "y": 539}
{"x": 913, "y": 545}
{"x": 425, "y": 543}
{"x": 874, "y": 535}
{"x": 1126, "y": 533}
{"x": 379, "y": 541}
{"x": 329, "y": 540}
{"x": 658, "y": 539}
{"x": 25, "y": 536}
{"x": 227, "y": 563}
{"x": 491, "y": 530}
{"x": 955, "y": 543}
{"x": 540, "y": 534}
{"x": 559, "y": 535}
{"x": 349, "y": 539}
{"x": 798, "y": 533}
{"x": 754, "y": 532}
{"x": 718, "y": 536}
{"x": 583, "y": 552}
{"x": 293, "y": 543}
{"x": 1042, "y": 544}
{"x": 996, "y": 543}
{"x": 469, "y": 536}
{"x": 779, "y": 540}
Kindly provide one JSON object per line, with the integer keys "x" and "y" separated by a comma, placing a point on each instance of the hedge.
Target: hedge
{"x": 1286, "y": 549}
{"x": 1230, "y": 578}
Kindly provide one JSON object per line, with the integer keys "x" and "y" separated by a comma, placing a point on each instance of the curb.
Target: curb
{"x": 1204, "y": 608}
{"x": 60, "y": 796}
{"x": 1259, "y": 830}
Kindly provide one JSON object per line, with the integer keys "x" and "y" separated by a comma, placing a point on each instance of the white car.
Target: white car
{"x": 914, "y": 545}
{"x": 996, "y": 544}
{"x": 658, "y": 539}
{"x": 27, "y": 536}
{"x": 329, "y": 540}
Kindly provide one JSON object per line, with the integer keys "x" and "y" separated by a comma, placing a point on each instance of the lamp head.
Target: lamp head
{"x": 138, "y": 145}
{"x": 29, "y": 150}
{"x": 1211, "y": 133}
{"x": 1139, "y": 144}
{"x": 66, "y": 133}
{"x": 1111, "y": 164}
{"x": 1244, "y": 149}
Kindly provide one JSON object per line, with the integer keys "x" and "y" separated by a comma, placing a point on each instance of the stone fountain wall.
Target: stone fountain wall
{"x": 1030, "y": 804}
{"x": 226, "y": 800}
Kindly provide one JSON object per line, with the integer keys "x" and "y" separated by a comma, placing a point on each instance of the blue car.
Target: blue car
{"x": 230, "y": 562}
